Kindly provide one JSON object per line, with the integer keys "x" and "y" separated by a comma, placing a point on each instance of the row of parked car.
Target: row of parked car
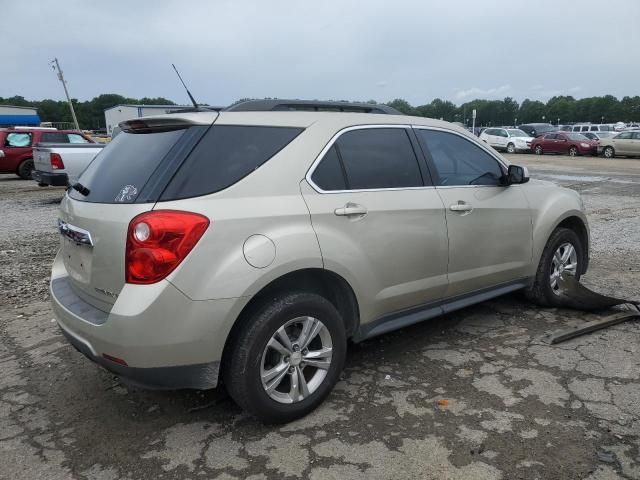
{"x": 570, "y": 140}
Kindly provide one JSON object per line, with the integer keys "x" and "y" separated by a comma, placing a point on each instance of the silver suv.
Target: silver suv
{"x": 247, "y": 247}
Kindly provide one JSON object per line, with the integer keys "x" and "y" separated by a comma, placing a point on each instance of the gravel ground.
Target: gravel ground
{"x": 477, "y": 394}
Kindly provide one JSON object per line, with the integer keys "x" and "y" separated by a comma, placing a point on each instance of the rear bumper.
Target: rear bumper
{"x": 48, "y": 178}
{"x": 161, "y": 338}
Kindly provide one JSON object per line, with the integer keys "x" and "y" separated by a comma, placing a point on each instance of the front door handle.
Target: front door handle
{"x": 350, "y": 209}
{"x": 461, "y": 207}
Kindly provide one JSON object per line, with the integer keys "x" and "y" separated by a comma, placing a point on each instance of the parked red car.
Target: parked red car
{"x": 564, "y": 142}
{"x": 16, "y": 143}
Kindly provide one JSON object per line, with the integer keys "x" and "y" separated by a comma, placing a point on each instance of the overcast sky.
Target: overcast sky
{"x": 353, "y": 50}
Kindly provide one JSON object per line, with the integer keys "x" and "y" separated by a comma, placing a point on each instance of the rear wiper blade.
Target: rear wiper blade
{"x": 81, "y": 188}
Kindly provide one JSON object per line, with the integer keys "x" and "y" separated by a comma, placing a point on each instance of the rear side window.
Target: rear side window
{"x": 123, "y": 167}
{"x": 75, "y": 138}
{"x": 18, "y": 140}
{"x": 458, "y": 161}
{"x": 225, "y": 155}
{"x": 378, "y": 158}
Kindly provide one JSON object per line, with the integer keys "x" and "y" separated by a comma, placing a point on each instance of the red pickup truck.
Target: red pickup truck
{"x": 16, "y": 143}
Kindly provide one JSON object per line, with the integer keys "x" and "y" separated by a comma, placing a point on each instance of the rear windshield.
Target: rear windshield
{"x": 123, "y": 167}
{"x": 225, "y": 155}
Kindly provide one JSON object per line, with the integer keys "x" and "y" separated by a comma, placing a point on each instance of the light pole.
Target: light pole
{"x": 57, "y": 68}
{"x": 515, "y": 122}
{"x": 558, "y": 121}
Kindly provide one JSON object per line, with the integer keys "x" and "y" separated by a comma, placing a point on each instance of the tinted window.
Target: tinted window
{"x": 624, "y": 136}
{"x": 550, "y": 136}
{"x": 585, "y": 129}
{"x": 75, "y": 138}
{"x": 636, "y": 135}
{"x": 18, "y": 140}
{"x": 329, "y": 175}
{"x": 379, "y": 158}
{"x": 54, "y": 137}
{"x": 225, "y": 155}
{"x": 458, "y": 161}
{"x": 124, "y": 166}
{"x": 502, "y": 133}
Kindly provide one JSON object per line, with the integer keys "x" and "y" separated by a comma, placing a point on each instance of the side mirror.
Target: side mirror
{"x": 517, "y": 175}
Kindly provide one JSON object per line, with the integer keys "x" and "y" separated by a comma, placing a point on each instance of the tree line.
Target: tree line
{"x": 559, "y": 109}
{"x": 566, "y": 109}
{"x": 90, "y": 113}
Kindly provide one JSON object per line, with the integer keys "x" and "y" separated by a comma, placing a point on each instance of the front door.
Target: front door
{"x": 379, "y": 222}
{"x": 489, "y": 225}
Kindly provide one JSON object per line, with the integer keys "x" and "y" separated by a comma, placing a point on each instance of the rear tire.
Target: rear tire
{"x": 538, "y": 150}
{"x": 608, "y": 152}
{"x": 25, "y": 169}
{"x": 511, "y": 148}
{"x": 544, "y": 291}
{"x": 253, "y": 354}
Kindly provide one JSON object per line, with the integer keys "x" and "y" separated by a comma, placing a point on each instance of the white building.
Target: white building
{"x": 114, "y": 115}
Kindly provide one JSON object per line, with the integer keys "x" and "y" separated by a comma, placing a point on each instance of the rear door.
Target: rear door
{"x": 634, "y": 148}
{"x": 623, "y": 143}
{"x": 379, "y": 221}
{"x": 502, "y": 139}
{"x": 489, "y": 225}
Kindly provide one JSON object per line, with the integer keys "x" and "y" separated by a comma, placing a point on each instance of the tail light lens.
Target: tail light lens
{"x": 56, "y": 161}
{"x": 158, "y": 241}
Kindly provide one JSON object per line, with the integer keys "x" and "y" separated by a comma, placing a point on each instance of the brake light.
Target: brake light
{"x": 56, "y": 161}
{"x": 158, "y": 241}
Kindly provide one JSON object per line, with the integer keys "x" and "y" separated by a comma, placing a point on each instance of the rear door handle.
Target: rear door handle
{"x": 350, "y": 209}
{"x": 461, "y": 207}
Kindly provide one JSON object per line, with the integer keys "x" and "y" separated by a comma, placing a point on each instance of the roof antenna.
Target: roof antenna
{"x": 195, "y": 105}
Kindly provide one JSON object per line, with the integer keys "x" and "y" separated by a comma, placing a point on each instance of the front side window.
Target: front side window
{"x": 458, "y": 161}
{"x": 15, "y": 139}
{"x": 624, "y": 136}
{"x": 376, "y": 158}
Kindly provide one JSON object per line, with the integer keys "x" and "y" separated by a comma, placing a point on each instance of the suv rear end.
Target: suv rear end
{"x": 167, "y": 238}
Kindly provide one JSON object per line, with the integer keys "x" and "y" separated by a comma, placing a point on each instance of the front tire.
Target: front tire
{"x": 287, "y": 357}
{"x": 511, "y": 148}
{"x": 563, "y": 252}
{"x": 573, "y": 152}
{"x": 25, "y": 169}
{"x": 538, "y": 150}
{"x": 608, "y": 152}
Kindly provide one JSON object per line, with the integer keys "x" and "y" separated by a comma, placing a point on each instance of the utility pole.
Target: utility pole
{"x": 58, "y": 70}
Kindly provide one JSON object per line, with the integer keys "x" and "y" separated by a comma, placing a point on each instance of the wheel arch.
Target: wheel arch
{"x": 317, "y": 280}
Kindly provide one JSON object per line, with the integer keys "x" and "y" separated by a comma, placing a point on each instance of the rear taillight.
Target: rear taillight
{"x": 56, "y": 161}
{"x": 158, "y": 241}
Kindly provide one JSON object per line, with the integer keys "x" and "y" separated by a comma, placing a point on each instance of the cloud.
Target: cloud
{"x": 476, "y": 92}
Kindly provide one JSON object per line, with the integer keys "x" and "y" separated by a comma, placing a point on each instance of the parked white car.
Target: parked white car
{"x": 509, "y": 139}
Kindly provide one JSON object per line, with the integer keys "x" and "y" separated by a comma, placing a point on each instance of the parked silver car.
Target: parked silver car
{"x": 250, "y": 246}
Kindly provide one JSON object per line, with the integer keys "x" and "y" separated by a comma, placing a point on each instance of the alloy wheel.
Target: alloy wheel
{"x": 296, "y": 359}
{"x": 565, "y": 259}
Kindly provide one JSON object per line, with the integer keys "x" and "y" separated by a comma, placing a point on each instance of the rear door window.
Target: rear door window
{"x": 76, "y": 138}
{"x": 329, "y": 174}
{"x": 375, "y": 158}
{"x": 458, "y": 161}
{"x": 18, "y": 139}
{"x": 224, "y": 156}
{"x": 54, "y": 137}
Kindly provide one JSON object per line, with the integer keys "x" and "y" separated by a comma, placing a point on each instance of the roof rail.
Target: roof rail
{"x": 311, "y": 106}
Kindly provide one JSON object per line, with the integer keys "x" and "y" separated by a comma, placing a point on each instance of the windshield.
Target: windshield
{"x": 515, "y": 132}
{"x": 576, "y": 136}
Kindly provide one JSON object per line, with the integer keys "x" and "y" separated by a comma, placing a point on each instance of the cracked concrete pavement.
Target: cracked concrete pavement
{"x": 476, "y": 394}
